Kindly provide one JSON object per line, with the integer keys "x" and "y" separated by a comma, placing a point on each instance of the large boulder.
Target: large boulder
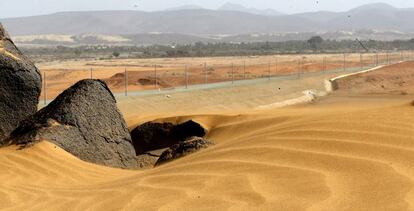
{"x": 20, "y": 86}
{"x": 152, "y": 135}
{"x": 85, "y": 121}
{"x": 190, "y": 145}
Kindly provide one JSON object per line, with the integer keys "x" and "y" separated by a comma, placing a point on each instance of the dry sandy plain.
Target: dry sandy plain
{"x": 351, "y": 150}
{"x": 171, "y": 72}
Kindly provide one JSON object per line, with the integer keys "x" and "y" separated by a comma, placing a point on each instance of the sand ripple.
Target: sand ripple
{"x": 332, "y": 158}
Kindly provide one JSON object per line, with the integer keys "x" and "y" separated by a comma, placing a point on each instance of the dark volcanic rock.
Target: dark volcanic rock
{"x": 182, "y": 149}
{"x": 85, "y": 121}
{"x": 152, "y": 136}
{"x": 20, "y": 86}
{"x": 188, "y": 129}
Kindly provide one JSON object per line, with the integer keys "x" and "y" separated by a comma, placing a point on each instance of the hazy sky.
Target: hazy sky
{"x": 16, "y": 8}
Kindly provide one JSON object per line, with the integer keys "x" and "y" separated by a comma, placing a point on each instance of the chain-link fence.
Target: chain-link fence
{"x": 132, "y": 80}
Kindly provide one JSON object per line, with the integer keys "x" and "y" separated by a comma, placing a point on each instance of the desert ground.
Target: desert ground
{"x": 177, "y": 72}
{"x": 350, "y": 150}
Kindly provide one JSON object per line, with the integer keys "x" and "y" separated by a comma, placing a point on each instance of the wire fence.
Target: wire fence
{"x": 155, "y": 78}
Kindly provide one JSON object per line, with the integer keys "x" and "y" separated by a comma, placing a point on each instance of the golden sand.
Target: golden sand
{"x": 338, "y": 154}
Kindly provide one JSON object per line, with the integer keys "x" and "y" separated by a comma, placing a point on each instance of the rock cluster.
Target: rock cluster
{"x": 152, "y": 136}
{"x": 84, "y": 120}
{"x": 166, "y": 141}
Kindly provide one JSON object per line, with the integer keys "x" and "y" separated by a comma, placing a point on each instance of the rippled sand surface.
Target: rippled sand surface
{"x": 338, "y": 154}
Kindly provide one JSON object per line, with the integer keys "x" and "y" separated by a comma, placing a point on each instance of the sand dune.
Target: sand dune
{"x": 338, "y": 154}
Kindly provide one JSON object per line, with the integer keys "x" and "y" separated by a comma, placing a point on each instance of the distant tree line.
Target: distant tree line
{"x": 313, "y": 45}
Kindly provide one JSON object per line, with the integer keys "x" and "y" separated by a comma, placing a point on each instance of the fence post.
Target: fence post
{"x": 360, "y": 61}
{"x": 244, "y": 70}
{"x": 91, "y": 73}
{"x": 156, "y": 77}
{"x": 277, "y": 65}
{"x": 268, "y": 76}
{"x": 324, "y": 63}
{"x": 44, "y": 87}
{"x": 186, "y": 77}
{"x": 344, "y": 65}
{"x": 388, "y": 57}
{"x": 126, "y": 82}
{"x": 205, "y": 72}
{"x": 232, "y": 73}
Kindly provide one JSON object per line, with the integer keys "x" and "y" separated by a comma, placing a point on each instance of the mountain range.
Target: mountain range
{"x": 230, "y": 20}
{"x": 251, "y": 10}
{"x": 232, "y": 7}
